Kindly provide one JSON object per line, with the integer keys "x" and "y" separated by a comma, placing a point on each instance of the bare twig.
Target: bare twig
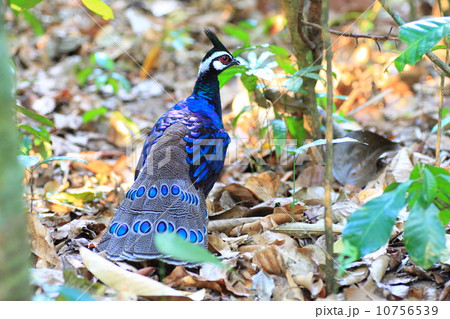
{"x": 353, "y": 35}
{"x": 438, "y": 62}
{"x": 329, "y": 270}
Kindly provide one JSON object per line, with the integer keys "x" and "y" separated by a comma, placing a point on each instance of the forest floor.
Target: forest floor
{"x": 72, "y": 203}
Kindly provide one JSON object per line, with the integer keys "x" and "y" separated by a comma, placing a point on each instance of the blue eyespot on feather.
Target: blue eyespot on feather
{"x": 136, "y": 226}
{"x": 192, "y": 236}
{"x": 152, "y": 192}
{"x": 122, "y": 230}
{"x": 112, "y": 228}
{"x": 162, "y": 226}
{"x": 175, "y": 190}
{"x": 164, "y": 190}
{"x": 145, "y": 227}
{"x": 170, "y": 227}
{"x": 182, "y": 233}
{"x": 140, "y": 191}
{"x": 200, "y": 236}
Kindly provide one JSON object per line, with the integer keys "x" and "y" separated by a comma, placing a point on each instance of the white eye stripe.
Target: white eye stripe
{"x": 204, "y": 66}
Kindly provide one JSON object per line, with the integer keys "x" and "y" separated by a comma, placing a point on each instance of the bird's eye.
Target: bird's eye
{"x": 224, "y": 59}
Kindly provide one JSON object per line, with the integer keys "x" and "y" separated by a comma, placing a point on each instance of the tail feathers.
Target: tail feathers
{"x": 168, "y": 205}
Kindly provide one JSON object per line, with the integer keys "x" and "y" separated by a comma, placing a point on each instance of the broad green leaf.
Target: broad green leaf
{"x": 20, "y": 5}
{"x": 370, "y": 227}
{"x": 103, "y": 60}
{"x": 229, "y": 73}
{"x": 100, "y": 8}
{"x": 294, "y": 84}
{"x": 92, "y": 114}
{"x": 296, "y": 128}
{"x": 429, "y": 186}
{"x": 420, "y": 36}
{"x": 173, "y": 245}
{"x": 286, "y": 64}
{"x": 37, "y": 117}
{"x": 28, "y": 161}
{"x": 424, "y": 235}
{"x": 249, "y": 81}
{"x": 279, "y": 51}
{"x": 444, "y": 216}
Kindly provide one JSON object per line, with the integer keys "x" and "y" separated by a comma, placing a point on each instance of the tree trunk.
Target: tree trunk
{"x": 14, "y": 249}
{"x": 304, "y": 43}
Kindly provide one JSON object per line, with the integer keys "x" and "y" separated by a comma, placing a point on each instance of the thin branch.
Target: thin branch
{"x": 329, "y": 264}
{"x": 433, "y": 57}
{"x": 353, "y": 35}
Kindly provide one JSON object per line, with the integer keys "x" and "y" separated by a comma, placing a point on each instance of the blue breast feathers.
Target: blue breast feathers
{"x": 206, "y": 139}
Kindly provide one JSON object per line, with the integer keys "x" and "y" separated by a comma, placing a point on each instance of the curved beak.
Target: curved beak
{"x": 235, "y": 62}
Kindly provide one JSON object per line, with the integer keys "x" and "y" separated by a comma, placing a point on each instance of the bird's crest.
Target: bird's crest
{"x": 215, "y": 40}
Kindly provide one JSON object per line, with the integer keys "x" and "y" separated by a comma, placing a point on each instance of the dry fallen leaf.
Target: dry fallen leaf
{"x": 41, "y": 242}
{"x": 126, "y": 281}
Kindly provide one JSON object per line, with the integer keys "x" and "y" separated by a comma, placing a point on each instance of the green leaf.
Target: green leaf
{"x": 296, "y": 128}
{"x": 249, "y": 81}
{"x": 242, "y": 111}
{"x": 286, "y": 64}
{"x": 279, "y": 51}
{"x": 42, "y": 133}
{"x": 420, "y": 36}
{"x": 100, "y": 8}
{"x": 103, "y": 60}
{"x": 38, "y": 29}
{"x": 444, "y": 123}
{"x": 370, "y": 227}
{"x": 424, "y": 235}
{"x": 294, "y": 84}
{"x": 21, "y": 5}
{"x": 444, "y": 216}
{"x": 28, "y": 161}
{"x": 122, "y": 80}
{"x": 279, "y": 134}
{"x": 37, "y": 117}
{"x": 176, "y": 247}
{"x": 237, "y": 32}
{"x": 229, "y": 73}
{"x": 92, "y": 114}
{"x": 429, "y": 186}
{"x": 83, "y": 75}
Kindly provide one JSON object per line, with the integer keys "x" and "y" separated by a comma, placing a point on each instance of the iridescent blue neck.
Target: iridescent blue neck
{"x": 207, "y": 87}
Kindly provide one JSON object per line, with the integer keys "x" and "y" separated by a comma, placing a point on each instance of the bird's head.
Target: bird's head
{"x": 218, "y": 58}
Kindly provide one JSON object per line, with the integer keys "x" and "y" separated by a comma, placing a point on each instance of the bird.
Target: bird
{"x": 181, "y": 160}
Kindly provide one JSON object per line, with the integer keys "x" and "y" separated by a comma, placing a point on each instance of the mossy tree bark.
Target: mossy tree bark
{"x": 14, "y": 249}
{"x": 308, "y": 47}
